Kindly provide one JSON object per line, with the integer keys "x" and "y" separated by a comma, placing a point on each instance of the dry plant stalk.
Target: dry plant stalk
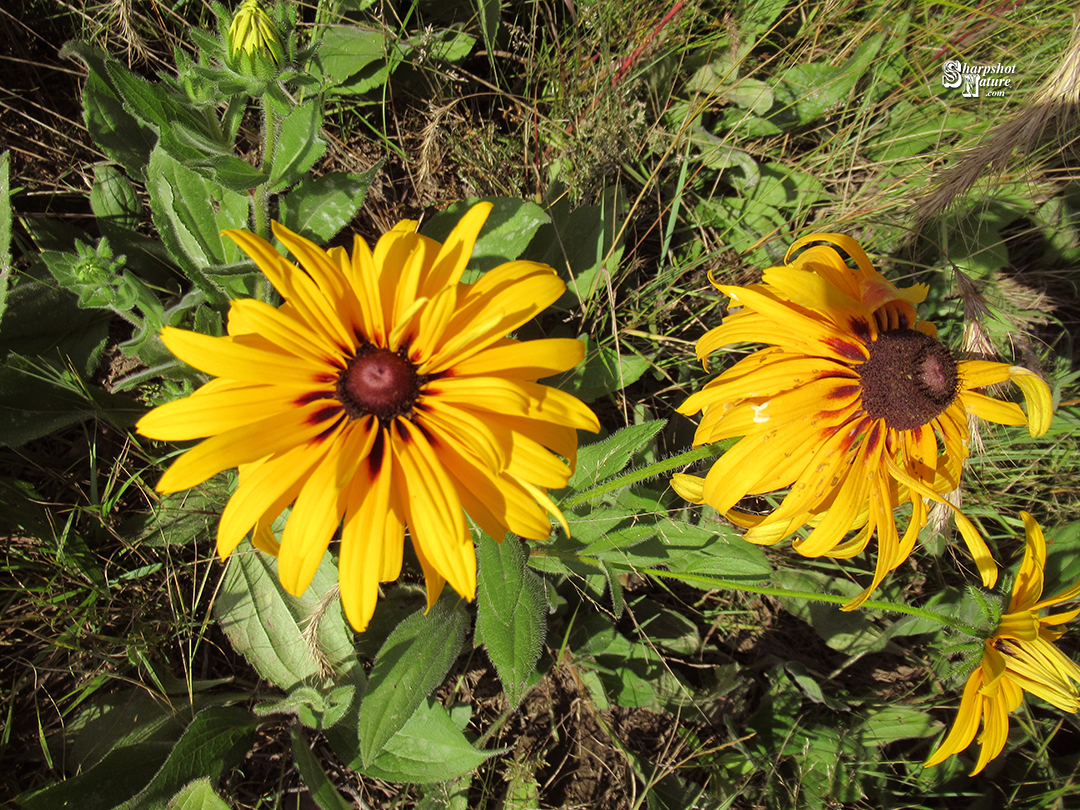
{"x": 1053, "y": 107}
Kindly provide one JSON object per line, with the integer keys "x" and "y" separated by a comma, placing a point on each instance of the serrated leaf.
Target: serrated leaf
{"x": 428, "y": 748}
{"x": 217, "y": 740}
{"x": 109, "y": 784}
{"x": 190, "y": 212}
{"x": 606, "y": 458}
{"x": 199, "y": 795}
{"x": 346, "y": 50}
{"x": 319, "y": 786}
{"x": 412, "y": 661}
{"x": 511, "y": 620}
{"x": 267, "y": 625}
{"x": 319, "y": 207}
{"x": 121, "y": 136}
{"x": 298, "y": 146}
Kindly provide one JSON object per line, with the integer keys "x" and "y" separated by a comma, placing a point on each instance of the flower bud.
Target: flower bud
{"x": 254, "y": 44}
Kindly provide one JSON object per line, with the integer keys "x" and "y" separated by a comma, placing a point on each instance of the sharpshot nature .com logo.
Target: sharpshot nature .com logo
{"x": 985, "y": 80}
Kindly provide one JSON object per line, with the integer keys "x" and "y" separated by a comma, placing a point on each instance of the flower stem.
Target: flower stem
{"x": 640, "y": 474}
{"x": 768, "y": 590}
{"x": 260, "y": 201}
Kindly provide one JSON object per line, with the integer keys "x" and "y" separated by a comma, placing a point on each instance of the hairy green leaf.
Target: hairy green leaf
{"x": 216, "y": 741}
{"x": 287, "y": 639}
{"x": 511, "y": 620}
{"x": 198, "y": 795}
{"x": 428, "y": 748}
{"x": 412, "y": 661}
{"x": 606, "y": 458}
{"x": 319, "y": 207}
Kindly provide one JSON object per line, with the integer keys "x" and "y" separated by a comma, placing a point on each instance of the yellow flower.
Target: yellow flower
{"x": 383, "y": 394}
{"x": 854, "y": 405}
{"x": 253, "y": 33}
{"x": 1019, "y": 657}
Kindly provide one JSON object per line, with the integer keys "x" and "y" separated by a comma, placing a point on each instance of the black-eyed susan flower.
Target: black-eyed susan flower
{"x": 382, "y": 395}
{"x": 854, "y": 405}
{"x": 1018, "y": 657}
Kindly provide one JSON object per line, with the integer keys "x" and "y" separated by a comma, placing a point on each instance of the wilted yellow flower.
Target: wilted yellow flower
{"x": 253, "y": 34}
{"x": 854, "y": 405}
{"x": 382, "y": 395}
{"x": 1019, "y": 657}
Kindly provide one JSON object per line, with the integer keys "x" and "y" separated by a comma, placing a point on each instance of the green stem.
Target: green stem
{"x": 767, "y": 590}
{"x": 260, "y": 201}
{"x": 640, "y": 474}
{"x": 706, "y": 451}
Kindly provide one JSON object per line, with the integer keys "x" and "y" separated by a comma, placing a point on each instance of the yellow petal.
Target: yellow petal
{"x": 1028, "y": 587}
{"x": 993, "y": 410}
{"x": 453, "y": 256}
{"x": 530, "y": 359}
{"x": 248, "y": 443}
{"x": 1040, "y": 405}
{"x": 369, "y": 530}
{"x": 228, "y": 357}
{"x": 216, "y": 407}
{"x": 319, "y": 508}
{"x": 433, "y": 509}
{"x": 965, "y": 725}
{"x": 689, "y": 487}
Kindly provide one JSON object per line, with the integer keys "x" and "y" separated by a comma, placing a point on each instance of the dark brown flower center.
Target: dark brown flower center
{"x": 378, "y": 382}
{"x": 909, "y": 379}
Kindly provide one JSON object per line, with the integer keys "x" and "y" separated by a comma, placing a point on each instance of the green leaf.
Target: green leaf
{"x": 298, "y": 146}
{"x": 715, "y": 551}
{"x": 59, "y": 398}
{"x": 119, "y": 720}
{"x": 190, "y": 212}
{"x": 506, "y": 233}
{"x": 848, "y": 632}
{"x": 121, "y": 136}
{"x": 154, "y": 105}
{"x": 606, "y": 369}
{"x": 315, "y": 709}
{"x": 412, "y": 661}
{"x": 808, "y": 91}
{"x": 892, "y": 723}
{"x": 319, "y": 786}
{"x": 428, "y": 748}
{"x": 199, "y": 795}
{"x": 110, "y": 783}
{"x": 114, "y": 200}
{"x": 319, "y": 207}
{"x": 511, "y": 620}
{"x": 216, "y": 741}
{"x": 265, "y": 623}
{"x": 606, "y": 458}
{"x": 345, "y": 50}
{"x": 581, "y": 242}
{"x": 489, "y": 12}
